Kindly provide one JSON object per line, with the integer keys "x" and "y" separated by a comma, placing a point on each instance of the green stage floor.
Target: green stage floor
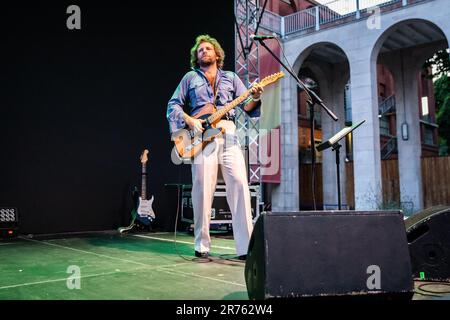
{"x": 112, "y": 266}
{"x": 136, "y": 266}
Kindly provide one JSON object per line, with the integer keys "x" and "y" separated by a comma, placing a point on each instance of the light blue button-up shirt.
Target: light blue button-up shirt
{"x": 194, "y": 91}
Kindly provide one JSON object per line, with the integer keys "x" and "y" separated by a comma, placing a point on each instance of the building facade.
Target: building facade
{"x": 366, "y": 64}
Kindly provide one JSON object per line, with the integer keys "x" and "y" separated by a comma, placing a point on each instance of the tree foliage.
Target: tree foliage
{"x": 441, "y": 61}
{"x": 441, "y": 90}
{"x": 442, "y": 97}
{"x": 439, "y": 64}
{"x": 444, "y": 120}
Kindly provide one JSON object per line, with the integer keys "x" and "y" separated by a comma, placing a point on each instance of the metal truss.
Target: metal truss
{"x": 247, "y": 15}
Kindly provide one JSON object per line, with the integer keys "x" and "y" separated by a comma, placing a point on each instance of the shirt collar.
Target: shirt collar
{"x": 198, "y": 70}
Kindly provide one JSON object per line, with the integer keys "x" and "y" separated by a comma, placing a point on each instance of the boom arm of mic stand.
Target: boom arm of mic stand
{"x": 312, "y": 95}
{"x": 319, "y": 101}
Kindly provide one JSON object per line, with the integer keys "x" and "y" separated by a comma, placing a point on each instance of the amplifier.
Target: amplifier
{"x": 220, "y": 212}
{"x": 9, "y": 220}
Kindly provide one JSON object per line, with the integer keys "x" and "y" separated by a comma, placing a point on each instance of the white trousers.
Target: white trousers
{"x": 226, "y": 152}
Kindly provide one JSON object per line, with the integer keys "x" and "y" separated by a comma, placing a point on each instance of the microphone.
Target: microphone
{"x": 254, "y": 37}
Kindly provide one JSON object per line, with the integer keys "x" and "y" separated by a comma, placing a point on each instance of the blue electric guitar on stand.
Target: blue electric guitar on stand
{"x": 142, "y": 214}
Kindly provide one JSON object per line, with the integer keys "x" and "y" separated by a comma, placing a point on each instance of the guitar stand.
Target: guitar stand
{"x": 129, "y": 228}
{"x": 134, "y": 225}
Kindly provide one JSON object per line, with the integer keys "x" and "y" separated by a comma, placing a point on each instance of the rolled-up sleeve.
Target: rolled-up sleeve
{"x": 175, "y": 107}
{"x": 240, "y": 89}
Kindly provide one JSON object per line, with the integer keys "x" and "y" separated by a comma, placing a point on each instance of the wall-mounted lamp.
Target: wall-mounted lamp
{"x": 405, "y": 133}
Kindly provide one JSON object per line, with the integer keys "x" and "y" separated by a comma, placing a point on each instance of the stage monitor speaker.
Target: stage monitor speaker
{"x": 428, "y": 234}
{"x": 329, "y": 254}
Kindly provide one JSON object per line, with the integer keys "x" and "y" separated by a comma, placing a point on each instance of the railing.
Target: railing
{"x": 300, "y": 20}
{"x": 337, "y": 9}
{"x": 428, "y": 119}
{"x": 429, "y": 127}
{"x": 387, "y": 105}
{"x": 325, "y": 13}
{"x": 385, "y": 130}
{"x": 348, "y": 7}
{"x": 331, "y": 11}
{"x": 272, "y": 22}
{"x": 388, "y": 148}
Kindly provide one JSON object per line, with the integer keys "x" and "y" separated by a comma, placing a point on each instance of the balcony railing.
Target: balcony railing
{"x": 387, "y": 105}
{"x": 272, "y": 22}
{"x": 301, "y": 20}
{"x": 332, "y": 11}
{"x": 388, "y": 148}
{"x": 316, "y": 17}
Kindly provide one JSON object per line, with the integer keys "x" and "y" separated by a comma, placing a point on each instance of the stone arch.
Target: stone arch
{"x": 307, "y": 51}
{"x": 396, "y": 27}
{"x": 330, "y": 67}
{"x": 403, "y": 48}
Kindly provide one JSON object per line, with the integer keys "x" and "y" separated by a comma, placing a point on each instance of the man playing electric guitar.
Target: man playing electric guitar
{"x": 208, "y": 85}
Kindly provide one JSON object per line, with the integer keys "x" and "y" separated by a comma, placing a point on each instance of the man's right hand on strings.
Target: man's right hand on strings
{"x": 195, "y": 124}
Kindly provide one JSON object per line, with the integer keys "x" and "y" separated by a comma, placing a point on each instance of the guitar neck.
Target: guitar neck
{"x": 144, "y": 183}
{"x": 216, "y": 116}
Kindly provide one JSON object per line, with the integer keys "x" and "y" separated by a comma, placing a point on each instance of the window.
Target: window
{"x": 382, "y": 93}
{"x": 425, "y": 110}
{"x": 428, "y": 138}
{"x": 384, "y": 126}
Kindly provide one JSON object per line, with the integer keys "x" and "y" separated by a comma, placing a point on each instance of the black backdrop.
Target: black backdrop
{"x": 79, "y": 106}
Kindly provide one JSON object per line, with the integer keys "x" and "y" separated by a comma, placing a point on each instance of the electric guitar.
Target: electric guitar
{"x": 145, "y": 212}
{"x": 188, "y": 144}
{"x": 142, "y": 212}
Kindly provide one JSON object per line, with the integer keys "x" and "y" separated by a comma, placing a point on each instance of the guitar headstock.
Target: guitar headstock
{"x": 144, "y": 156}
{"x": 271, "y": 79}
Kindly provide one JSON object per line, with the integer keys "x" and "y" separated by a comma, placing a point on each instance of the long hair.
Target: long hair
{"x": 217, "y": 48}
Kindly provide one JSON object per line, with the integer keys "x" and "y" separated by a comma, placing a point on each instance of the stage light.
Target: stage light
{"x": 9, "y": 220}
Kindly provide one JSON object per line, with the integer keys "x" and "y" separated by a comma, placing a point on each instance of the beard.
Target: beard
{"x": 206, "y": 62}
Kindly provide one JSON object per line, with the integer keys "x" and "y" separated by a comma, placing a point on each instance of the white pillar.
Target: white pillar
{"x": 334, "y": 100}
{"x": 366, "y": 139}
{"x": 407, "y": 111}
{"x": 285, "y": 196}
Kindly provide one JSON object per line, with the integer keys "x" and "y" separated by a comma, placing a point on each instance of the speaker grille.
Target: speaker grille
{"x": 8, "y": 215}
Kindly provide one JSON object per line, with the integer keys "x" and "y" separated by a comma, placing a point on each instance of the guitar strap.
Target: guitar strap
{"x": 216, "y": 85}
{"x": 215, "y": 97}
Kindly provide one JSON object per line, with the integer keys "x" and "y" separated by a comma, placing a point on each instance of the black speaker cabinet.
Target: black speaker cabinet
{"x": 329, "y": 254}
{"x": 428, "y": 234}
{"x": 220, "y": 211}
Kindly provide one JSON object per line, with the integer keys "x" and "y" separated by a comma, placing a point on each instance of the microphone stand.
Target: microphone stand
{"x": 313, "y": 99}
{"x": 336, "y": 148}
